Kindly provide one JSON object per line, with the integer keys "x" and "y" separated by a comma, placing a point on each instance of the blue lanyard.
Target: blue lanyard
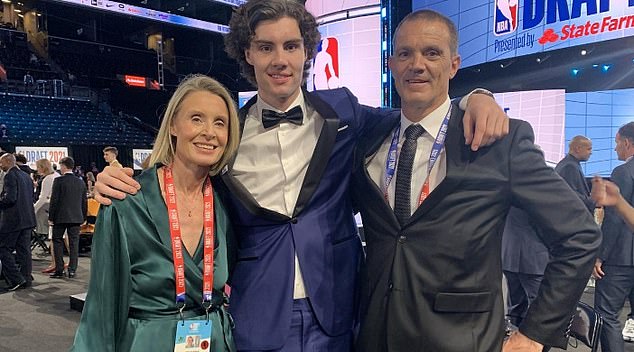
{"x": 439, "y": 143}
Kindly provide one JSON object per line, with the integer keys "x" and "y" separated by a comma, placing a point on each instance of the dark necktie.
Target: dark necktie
{"x": 402, "y": 201}
{"x": 271, "y": 118}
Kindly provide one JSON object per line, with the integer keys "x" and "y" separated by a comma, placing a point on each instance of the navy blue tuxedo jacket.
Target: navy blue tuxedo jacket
{"x": 322, "y": 232}
{"x": 434, "y": 283}
{"x": 617, "y": 247}
{"x": 16, "y": 202}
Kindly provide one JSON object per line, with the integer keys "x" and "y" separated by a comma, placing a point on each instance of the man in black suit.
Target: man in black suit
{"x": 434, "y": 233}
{"x": 67, "y": 212}
{"x": 569, "y": 168}
{"x": 524, "y": 259}
{"x": 17, "y": 219}
{"x": 614, "y": 268}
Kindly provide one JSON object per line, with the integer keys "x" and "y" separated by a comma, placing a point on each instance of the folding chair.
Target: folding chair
{"x": 585, "y": 327}
{"x": 39, "y": 240}
{"x": 87, "y": 229}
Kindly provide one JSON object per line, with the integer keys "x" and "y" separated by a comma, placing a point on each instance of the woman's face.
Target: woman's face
{"x": 201, "y": 128}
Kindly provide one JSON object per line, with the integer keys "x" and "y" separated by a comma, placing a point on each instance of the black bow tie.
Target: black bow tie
{"x": 271, "y": 118}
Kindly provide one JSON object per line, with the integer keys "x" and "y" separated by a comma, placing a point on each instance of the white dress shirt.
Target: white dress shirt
{"x": 264, "y": 152}
{"x": 376, "y": 164}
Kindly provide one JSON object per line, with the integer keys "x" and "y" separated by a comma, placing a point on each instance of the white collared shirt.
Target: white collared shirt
{"x": 263, "y": 153}
{"x": 376, "y": 165}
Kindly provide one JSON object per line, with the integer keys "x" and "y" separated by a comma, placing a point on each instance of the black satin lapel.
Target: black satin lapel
{"x": 458, "y": 157}
{"x": 234, "y": 189}
{"x": 322, "y": 152}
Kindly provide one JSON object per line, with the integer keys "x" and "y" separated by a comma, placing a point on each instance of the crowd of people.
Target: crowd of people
{"x": 261, "y": 200}
{"x": 48, "y": 203}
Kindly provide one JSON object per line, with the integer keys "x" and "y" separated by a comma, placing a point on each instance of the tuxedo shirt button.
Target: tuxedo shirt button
{"x": 402, "y": 238}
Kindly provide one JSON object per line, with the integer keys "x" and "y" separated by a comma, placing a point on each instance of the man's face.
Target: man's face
{"x": 4, "y": 164}
{"x": 622, "y": 147}
{"x": 108, "y": 156}
{"x": 277, "y": 55}
{"x": 584, "y": 150}
{"x": 422, "y": 65}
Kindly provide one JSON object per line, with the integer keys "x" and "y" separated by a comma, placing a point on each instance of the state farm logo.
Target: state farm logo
{"x": 572, "y": 31}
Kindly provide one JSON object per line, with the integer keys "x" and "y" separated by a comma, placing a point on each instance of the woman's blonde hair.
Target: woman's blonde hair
{"x": 165, "y": 143}
{"x": 44, "y": 165}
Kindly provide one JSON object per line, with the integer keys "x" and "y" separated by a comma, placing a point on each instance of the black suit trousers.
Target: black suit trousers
{"x": 73, "y": 244}
{"x": 20, "y": 241}
{"x": 609, "y": 297}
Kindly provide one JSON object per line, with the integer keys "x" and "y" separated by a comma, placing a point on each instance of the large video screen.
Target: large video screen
{"x": 545, "y": 110}
{"x": 491, "y": 30}
{"x": 349, "y": 54}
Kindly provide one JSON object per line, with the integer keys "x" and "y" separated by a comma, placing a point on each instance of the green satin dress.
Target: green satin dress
{"x": 130, "y": 304}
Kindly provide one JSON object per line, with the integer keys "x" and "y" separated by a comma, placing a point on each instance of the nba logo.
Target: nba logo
{"x": 505, "y": 20}
{"x": 326, "y": 64}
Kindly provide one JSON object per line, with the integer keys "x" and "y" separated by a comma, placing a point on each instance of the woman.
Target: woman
{"x": 48, "y": 175}
{"x": 132, "y": 296}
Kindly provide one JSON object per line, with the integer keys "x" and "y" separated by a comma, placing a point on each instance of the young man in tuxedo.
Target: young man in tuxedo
{"x": 433, "y": 212}
{"x": 295, "y": 283}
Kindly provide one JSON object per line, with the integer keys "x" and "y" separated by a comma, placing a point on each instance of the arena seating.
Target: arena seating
{"x": 46, "y": 121}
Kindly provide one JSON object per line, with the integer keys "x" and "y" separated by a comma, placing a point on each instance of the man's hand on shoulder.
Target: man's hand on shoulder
{"x": 484, "y": 121}
{"x": 115, "y": 182}
{"x": 519, "y": 342}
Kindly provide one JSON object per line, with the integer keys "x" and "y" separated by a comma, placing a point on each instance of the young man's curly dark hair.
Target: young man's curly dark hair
{"x": 247, "y": 17}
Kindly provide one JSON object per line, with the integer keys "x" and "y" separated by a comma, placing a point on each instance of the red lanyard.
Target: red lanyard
{"x": 177, "y": 244}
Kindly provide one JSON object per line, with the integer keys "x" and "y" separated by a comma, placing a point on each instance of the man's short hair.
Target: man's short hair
{"x": 627, "y": 131}
{"x": 577, "y": 140}
{"x": 20, "y": 158}
{"x": 247, "y": 17}
{"x": 112, "y": 150}
{"x": 431, "y": 15}
{"x": 68, "y": 162}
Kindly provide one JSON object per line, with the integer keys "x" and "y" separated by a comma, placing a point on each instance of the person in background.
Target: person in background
{"x": 90, "y": 183}
{"x": 133, "y": 301}
{"x": 614, "y": 267}
{"x": 47, "y": 176}
{"x": 569, "y": 168}
{"x": 110, "y": 156}
{"x": 20, "y": 161}
{"x": 17, "y": 220}
{"x": 66, "y": 212}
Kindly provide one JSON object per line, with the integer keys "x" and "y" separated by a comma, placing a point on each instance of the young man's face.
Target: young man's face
{"x": 109, "y": 156}
{"x": 277, "y": 55}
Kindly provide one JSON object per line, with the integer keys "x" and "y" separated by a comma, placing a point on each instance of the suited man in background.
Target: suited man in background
{"x": 433, "y": 268}
{"x": 17, "y": 219}
{"x": 524, "y": 259}
{"x": 66, "y": 212}
{"x": 569, "y": 168}
{"x": 614, "y": 268}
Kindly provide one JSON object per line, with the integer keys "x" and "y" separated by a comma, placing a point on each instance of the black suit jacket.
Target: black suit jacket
{"x": 434, "y": 284}
{"x": 16, "y": 202}
{"x": 617, "y": 247}
{"x": 68, "y": 200}
{"x": 523, "y": 251}
{"x": 570, "y": 170}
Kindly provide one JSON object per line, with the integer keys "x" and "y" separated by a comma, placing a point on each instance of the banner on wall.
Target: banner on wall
{"x": 139, "y": 155}
{"x": 33, "y": 154}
